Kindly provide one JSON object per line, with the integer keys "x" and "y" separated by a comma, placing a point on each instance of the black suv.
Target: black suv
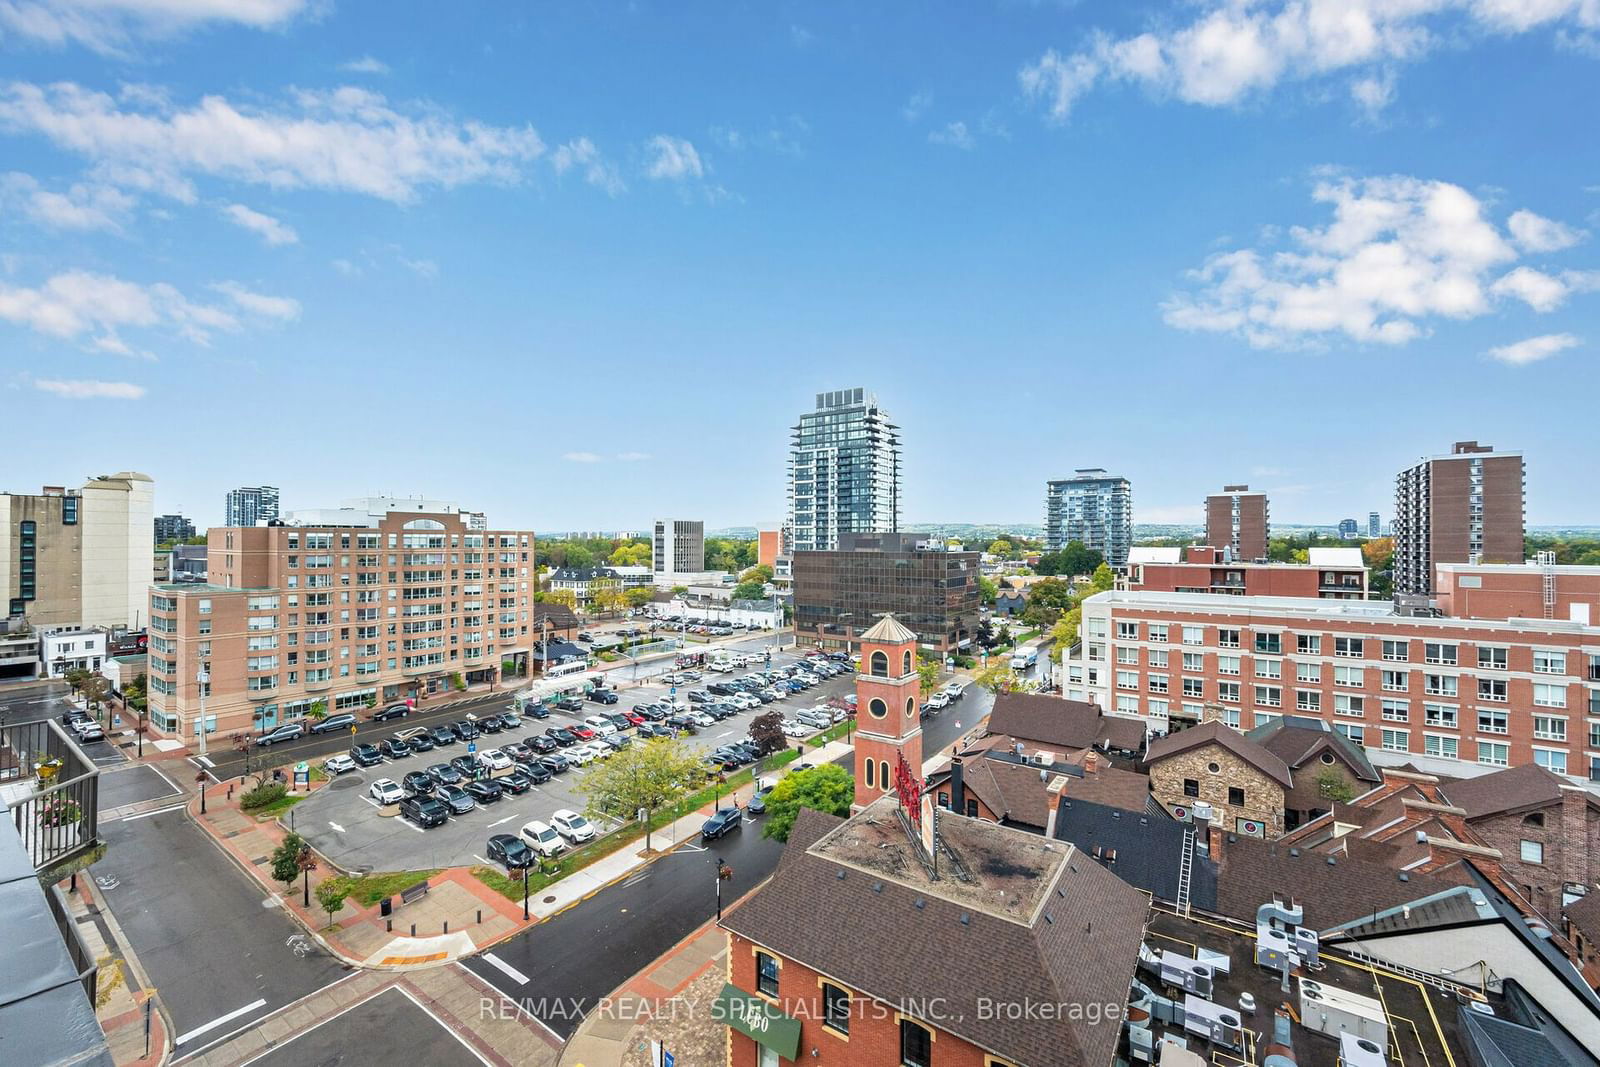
{"x": 392, "y": 749}
{"x": 442, "y": 735}
{"x": 366, "y": 755}
{"x": 464, "y": 731}
{"x": 393, "y": 711}
{"x": 417, "y": 783}
{"x": 542, "y": 744}
{"x": 603, "y": 696}
{"x": 424, "y": 811}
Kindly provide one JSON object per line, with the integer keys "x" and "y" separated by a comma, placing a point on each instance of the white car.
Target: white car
{"x": 88, "y": 730}
{"x": 494, "y": 759}
{"x": 600, "y": 725}
{"x": 701, "y": 719}
{"x": 386, "y": 791}
{"x": 601, "y": 749}
{"x": 796, "y": 728}
{"x": 744, "y": 701}
{"x": 939, "y": 700}
{"x": 722, "y": 666}
{"x": 572, "y": 826}
{"x": 582, "y": 754}
{"x": 543, "y": 838}
{"x": 337, "y": 765}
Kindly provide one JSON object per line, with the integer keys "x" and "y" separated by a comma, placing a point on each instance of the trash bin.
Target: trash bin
{"x": 386, "y": 907}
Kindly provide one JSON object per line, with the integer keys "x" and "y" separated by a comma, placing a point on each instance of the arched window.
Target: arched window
{"x": 883, "y": 771}
{"x": 906, "y": 668}
{"x": 870, "y": 783}
{"x": 880, "y": 664}
{"x": 423, "y": 524}
{"x": 877, "y": 708}
{"x": 911, "y": 707}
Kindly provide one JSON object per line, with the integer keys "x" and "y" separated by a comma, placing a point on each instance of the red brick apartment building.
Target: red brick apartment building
{"x": 1532, "y": 590}
{"x": 1330, "y": 574}
{"x": 1451, "y": 696}
{"x": 1456, "y": 509}
{"x": 1237, "y": 519}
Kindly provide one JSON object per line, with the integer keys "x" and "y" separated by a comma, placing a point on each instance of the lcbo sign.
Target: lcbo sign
{"x": 756, "y": 1022}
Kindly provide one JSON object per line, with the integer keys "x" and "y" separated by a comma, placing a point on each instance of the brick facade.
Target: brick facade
{"x": 1263, "y": 797}
{"x": 1568, "y": 838}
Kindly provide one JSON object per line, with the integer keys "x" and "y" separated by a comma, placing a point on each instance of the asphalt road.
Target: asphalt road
{"x": 217, "y": 954}
{"x": 587, "y": 951}
{"x": 390, "y": 1028}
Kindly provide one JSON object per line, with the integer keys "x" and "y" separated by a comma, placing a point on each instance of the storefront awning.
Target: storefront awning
{"x": 558, "y": 650}
{"x": 758, "y": 1020}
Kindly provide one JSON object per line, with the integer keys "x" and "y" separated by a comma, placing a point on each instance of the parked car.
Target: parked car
{"x": 620, "y": 721}
{"x": 418, "y": 783}
{"x": 391, "y": 749}
{"x": 602, "y": 696}
{"x": 366, "y": 755}
{"x": 424, "y": 811}
{"x": 542, "y": 744}
{"x": 510, "y": 851}
{"x": 489, "y": 724}
{"x": 443, "y": 774}
{"x": 581, "y": 755}
{"x": 562, "y": 736}
{"x": 334, "y": 722}
{"x": 796, "y": 728}
{"x": 484, "y": 792}
{"x": 536, "y": 711}
{"x": 287, "y": 732}
{"x": 533, "y": 772}
{"x": 939, "y": 700}
{"x": 556, "y": 762}
{"x": 569, "y": 704}
{"x": 582, "y": 732}
{"x": 464, "y": 731}
{"x": 758, "y": 799}
{"x": 724, "y": 821}
{"x": 572, "y": 826}
{"x": 542, "y": 838}
{"x": 515, "y": 749}
{"x": 393, "y": 711}
{"x": 617, "y": 741}
{"x": 457, "y": 799}
{"x": 700, "y": 718}
{"x": 88, "y": 730}
{"x": 386, "y": 791}
{"x": 600, "y": 725}
{"x": 337, "y": 765}
{"x": 494, "y": 759}
{"x": 634, "y": 718}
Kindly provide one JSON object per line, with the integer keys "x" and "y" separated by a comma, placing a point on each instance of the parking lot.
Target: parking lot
{"x": 343, "y": 823}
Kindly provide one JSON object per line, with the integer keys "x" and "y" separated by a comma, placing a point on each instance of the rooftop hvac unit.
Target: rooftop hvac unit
{"x": 1332, "y": 1011}
{"x": 1357, "y": 1051}
{"x": 1215, "y": 1023}
{"x": 1189, "y": 975}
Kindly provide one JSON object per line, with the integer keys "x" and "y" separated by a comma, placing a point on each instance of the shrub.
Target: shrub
{"x": 263, "y": 795}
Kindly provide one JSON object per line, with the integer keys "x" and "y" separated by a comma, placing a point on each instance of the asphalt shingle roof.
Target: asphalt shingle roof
{"x": 1217, "y": 732}
{"x": 1529, "y": 785}
{"x": 1062, "y": 724}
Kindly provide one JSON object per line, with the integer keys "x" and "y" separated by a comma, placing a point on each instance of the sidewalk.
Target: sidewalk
{"x": 122, "y": 993}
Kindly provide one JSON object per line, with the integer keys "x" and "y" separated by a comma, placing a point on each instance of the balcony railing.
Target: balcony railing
{"x": 51, "y": 791}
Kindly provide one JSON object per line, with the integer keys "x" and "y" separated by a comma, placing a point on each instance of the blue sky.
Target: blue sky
{"x": 580, "y": 265}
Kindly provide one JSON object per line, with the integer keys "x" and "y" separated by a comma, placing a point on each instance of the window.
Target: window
{"x": 916, "y": 1045}
{"x": 1269, "y": 668}
{"x": 1357, "y": 734}
{"x": 1397, "y": 651}
{"x": 1434, "y": 652}
{"x": 1345, "y": 704}
{"x": 1127, "y": 679}
{"x": 1436, "y": 745}
{"x": 1157, "y": 656}
{"x": 880, "y": 664}
{"x": 1396, "y": 681}
{"x": 1226, "y": 691}
{"x": 1350, "y": 677}
{"x": 1491, "y": 659}
{"x": 1396, "y": 740}
{"x": 1549, "y": 728}
{"x": 1441, "y": 685}
{"x": 1193, "y": 661}
{"x": 1196, "y": 687}
{"x": 1227, "y": 664}
{"x": 1549, "y": 662}
{"x": 1547, "y": 695}
{"x": 1128, "y": 655}
{"x": 1157, "y": 683}
{"x": 1531, "y": 852}
{"x": 1307, "y": 700}
{"x": 1494, "y": 753}
{"x": 1271, "y": 644}
{"x": 1492, "y": 689}
{"x": 872, "y": 775}
{"x": 1439, "y": 715}
{"x": 1308, "y": 644}
{"x": 1158, "y": 708}
{"x": 1128, "y": 631}
{"x": 1236, "y": 796}
{"x": 1158, "y": 632}
{"x": 1230, "y": 639}
{"x": 1194, "y": 635}
{"x": 1308, "y": 672}
{"x": 766, "y": 974}
{"x": 1554, "y": 762}
{"x": 836, "y": 1008}
{"x": 1191, "y": 787}
{"x": 1353, "y": 647}
{"x": 1269, "y": 696}
{"x": 1493, "y": 721}
{"x": 877, "y": 708}
{"x": 1127, "y": 705}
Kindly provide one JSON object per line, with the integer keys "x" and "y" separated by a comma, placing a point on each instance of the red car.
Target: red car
{"x": 634, "y": 717}
{"x": 584, "y": 733}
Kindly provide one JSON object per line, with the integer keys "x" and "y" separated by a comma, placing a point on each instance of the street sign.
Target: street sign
{"x": 472, "y": 746}
{"x": 667, "y": 1059}
{"x": 673, "y": 691}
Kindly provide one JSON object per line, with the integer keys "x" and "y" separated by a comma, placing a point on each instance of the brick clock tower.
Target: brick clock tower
{"x": 887, "y": 724}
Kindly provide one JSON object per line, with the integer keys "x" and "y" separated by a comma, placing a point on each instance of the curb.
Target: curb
{"x": 126, "y": 948}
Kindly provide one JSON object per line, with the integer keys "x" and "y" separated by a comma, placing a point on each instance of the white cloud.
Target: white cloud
{"x": 1230, "y": 50}
{"x": 109, "y": 25}
{"x": 800, "y": 36}
{"x": 346, "y": 139}
{"x": 89, "y": 389}
{"x": 81, "y": 305}
{"x": 347, "y": 268}
{"x": 422, "y": 268}
{"x": 580, "y": 457}
{"x": 282, "y": 308}
{"x": 1535, "y": 233}
{"x": 583, "y": 155}
{"x": 1533, "y": 349}
{"x": 953, "y": 134}
{"x": 1398, "y": 252}
{"x": 632, "y": 457}
{"x": 914, "y": 107}
{"x": 1373, "y": 94}
{"x": 84, "y": 205}
{"x": 365, "y": 65}
{"x": 271, "y": 230}
{"x": 673, "y": 158}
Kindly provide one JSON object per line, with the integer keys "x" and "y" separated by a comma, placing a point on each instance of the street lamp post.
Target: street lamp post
{"x": 524, "y": 892}
{"x": 724, "y": 872}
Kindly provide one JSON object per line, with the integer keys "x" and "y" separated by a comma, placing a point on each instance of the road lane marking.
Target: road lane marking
{"x": 147, "y": 814}
{"x": 220, "y": 1020}
{"x": 336, "y": 827}
{"x": 505, "y": 968}
{"x": 498, "y": 822}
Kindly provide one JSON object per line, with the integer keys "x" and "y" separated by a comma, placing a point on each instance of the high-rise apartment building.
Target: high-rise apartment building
{"x": 249, "y": 505}
{"x": 1091, "y": 507}
{"x": 1466, "y": 507}
{"x": 1349, "y": 529}
{"x": 1237, "y": 520}
{"x": 678, "y": 547}
{"x": 79, "y": 557}
{"x": 380, "y": 605}
{"x": 1374, "y": 524}
{"x": 173, "y": 528}
{"x": 844, "y": 470}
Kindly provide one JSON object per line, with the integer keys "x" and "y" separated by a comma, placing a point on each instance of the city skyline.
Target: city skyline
{"x": 1028, "y": 247}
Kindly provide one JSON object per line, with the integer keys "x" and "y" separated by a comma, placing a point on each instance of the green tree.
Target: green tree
{"x": 630, "y": 554}
{"x": 317, "y": 711}
{"x": 638, "y": 597}
{"x": 1331, "y": 785}
{"x": 649, "y": 776}
{"x": 998, "y": 677}
{"x": 286, "y": 858}
{"x": 988, "y": 589}
{"x": 928, "y": 677}
{"x": 1076, "y": 558}
{"x": 1104, "y": 578}
{"x": 576, "y": 556}
{"x": 95, "y": 689}
{"x": 331, "y": 895}
{"x": 1065, "y": 632}
{"x": 749, "y": 591}
{"x": 1001, "y": 548}
{"x": 565, "y": 597}
{"x": 827, "y": 788}
{"x": 759, "y": 573}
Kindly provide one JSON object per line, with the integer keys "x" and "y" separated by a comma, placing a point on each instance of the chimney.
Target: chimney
{"x": 1214, "y": 849}
{"x": 1091, "y": 762}
{"x": 958, "y": 788}
{"x": 1200, "y": 817}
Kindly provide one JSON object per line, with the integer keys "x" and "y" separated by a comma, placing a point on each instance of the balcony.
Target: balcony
{"x": 51, "y": 791}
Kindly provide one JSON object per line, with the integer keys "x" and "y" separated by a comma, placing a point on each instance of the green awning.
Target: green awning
{"x": 758, "y": 1020}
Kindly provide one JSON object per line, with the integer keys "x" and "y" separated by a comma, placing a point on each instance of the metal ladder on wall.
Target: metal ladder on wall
{"x": 1185, "y": 868}
{"x": 1547, "y": 561}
